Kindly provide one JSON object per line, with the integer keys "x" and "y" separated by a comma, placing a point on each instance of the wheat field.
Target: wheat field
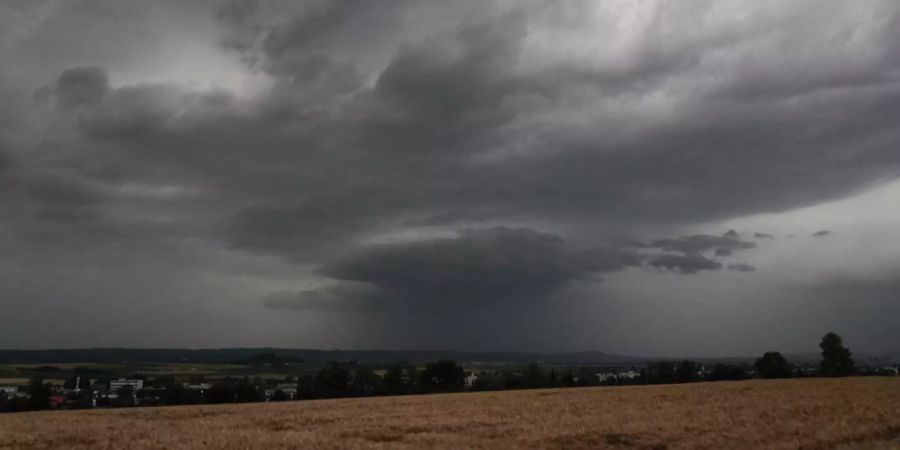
{"x": 843, "y": 414}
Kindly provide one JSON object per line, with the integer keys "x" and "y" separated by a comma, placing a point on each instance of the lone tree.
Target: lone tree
{"x": 687, "y": 371}
{"x": 39, "y": 394}
{"x": 772, "y": 365}
{"x": 836, "y": 360}
{"x": 443, "y": 376}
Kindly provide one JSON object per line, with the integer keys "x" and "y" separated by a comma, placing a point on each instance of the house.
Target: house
{"x": 150, "y": 396}
{"x": 136, "y": 384}
{"x": 10, "y": 391}
{"x": 289, "y": 390}
{"x": 617, "y": 374}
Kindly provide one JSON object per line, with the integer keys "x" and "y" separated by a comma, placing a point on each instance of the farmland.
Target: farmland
{"x": 849, "y": 413}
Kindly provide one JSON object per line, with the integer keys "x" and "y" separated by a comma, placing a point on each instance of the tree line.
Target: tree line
{"x": 351, "y": 379}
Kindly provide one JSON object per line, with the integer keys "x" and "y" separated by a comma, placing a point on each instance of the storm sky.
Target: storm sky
{"x": 691, "y": 178}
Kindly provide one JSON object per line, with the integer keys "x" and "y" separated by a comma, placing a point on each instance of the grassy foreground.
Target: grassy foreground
{"x": 851, "y": 413}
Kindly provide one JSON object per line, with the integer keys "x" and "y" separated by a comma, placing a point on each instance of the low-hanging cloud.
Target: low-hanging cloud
{"x": 477, "y": 265}
{"x": 81, "y": 86}
{"x": 700, "y": 243}
{"x": 742, "y": 267}
{"x": 488, "y": 265}
{"x": 688, "y": 264}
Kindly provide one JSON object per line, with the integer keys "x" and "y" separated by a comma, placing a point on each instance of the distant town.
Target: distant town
{"x": 273, "y": 377}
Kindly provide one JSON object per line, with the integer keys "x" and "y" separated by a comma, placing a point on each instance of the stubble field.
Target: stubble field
{"x": 852, "y": 413}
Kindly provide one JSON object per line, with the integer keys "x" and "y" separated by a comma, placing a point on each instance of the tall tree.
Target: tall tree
{"x": 687, "y": 371}
{"x": 772, "y": 365}
{"x": 444, "y": 375}
{"x": 39, "y": 394}
{"x": 836, "y": 360}
{"x": 400, "y": 379}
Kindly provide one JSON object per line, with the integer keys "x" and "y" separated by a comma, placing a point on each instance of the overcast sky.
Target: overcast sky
{"x": 699, "y": 178}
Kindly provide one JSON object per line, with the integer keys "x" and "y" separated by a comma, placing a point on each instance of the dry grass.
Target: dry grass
{"x": 838, "y": 414}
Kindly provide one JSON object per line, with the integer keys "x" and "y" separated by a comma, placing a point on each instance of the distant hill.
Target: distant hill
{"x": 271, "y": 355}
{"x": 255, "y": 356}
{"x": 268, "y": 360}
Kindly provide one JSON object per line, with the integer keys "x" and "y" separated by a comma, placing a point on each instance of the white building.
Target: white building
{"x": 10, "y": 390}
{"x": 290, "y": 391}
{"x": 470, "y": 380}
{"x": 618, "y": 374}
{"x": 136, "y": 385}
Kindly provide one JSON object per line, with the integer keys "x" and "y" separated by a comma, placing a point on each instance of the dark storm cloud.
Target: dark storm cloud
{"x": 742, "y": 267}
{"x": 6, "y": 161}
{"x": 492, "y": 265}
{"x": 688, "y": 264}
{"x": 375, "y": 120}
{"x": 478, "y": 265}
{"x": 81, "y": 86}
{"x": 339, "y": 297}
{"x": 434, "y": 132}
{"x": 57, "y": 190}
{"x": 62, "y": 199}
{"x": 442, "y": 105}
{"x": 700, "y": 243}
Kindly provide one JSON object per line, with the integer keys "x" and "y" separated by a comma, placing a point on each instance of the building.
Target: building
{"x": 617, "y": 374}
{"x": 470, "y": 380}
{"x": 10, "y": 391}
{"x": 135, "y": 385}
{"x": 290, "y": 391}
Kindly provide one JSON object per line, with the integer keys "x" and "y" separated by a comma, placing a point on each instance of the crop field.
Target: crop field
{"x": 844, "y": 414}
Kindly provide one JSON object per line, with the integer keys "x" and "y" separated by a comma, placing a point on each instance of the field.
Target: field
{"x": 844, "y": 414}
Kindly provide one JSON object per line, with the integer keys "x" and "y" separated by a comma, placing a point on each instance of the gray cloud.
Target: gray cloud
{"x": 487, "y": 265}
{"x": 354, "y": 122}
{"x": 700, "y": 243}
{"x": 337, "y": 297}
{"x": 689, "y": 264}
{"x": 80, "y": 86}
{"x": 822, "y": 233}
{"x": 742, "y": 267}
{"x": 484, "y": 265}
{"x": 56, "y": 190}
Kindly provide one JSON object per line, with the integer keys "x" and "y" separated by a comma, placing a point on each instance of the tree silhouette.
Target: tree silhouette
{"x": 772, "y": 365}
{"x": 722, "y": 372}
{"x": 39, "y": 394}
{"x": 443, "y": 375}
{"x": 836, "y": 360}
{"x": 400, "y": 379}
{"x": 661, "y": 372}
{"x": 687, "y": 371}
{"x": 126, "y": 395}
{"x": 333, "y": 381}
